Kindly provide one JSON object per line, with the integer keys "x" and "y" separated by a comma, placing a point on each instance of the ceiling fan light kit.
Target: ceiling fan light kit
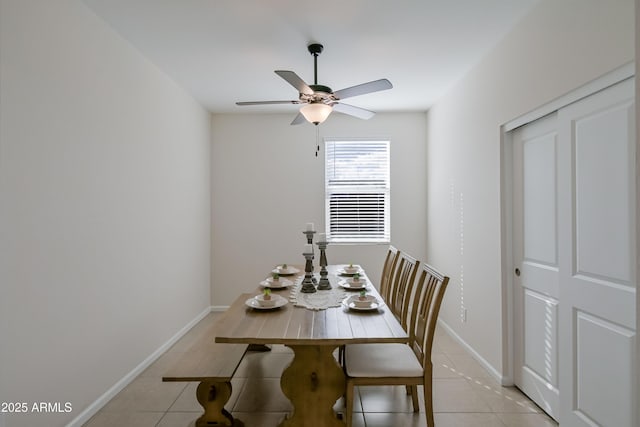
{"x": 316, "y": 112}
{"x": 319, "y": 100}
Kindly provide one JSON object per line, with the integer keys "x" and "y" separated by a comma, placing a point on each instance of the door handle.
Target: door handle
{"x": 517, "y": 272}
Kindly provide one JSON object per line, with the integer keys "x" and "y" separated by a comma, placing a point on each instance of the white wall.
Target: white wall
{"x": 637, "y": 66}
{"x": 278, "y": 186}
{"x": 104, "y": 207}
{"x": 558, "y": 47}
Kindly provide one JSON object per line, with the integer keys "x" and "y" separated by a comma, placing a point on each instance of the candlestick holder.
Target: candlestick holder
{"x": 309, "y": 234}
{"x": 307, "y": 283}
{"x": 324, "y": 281}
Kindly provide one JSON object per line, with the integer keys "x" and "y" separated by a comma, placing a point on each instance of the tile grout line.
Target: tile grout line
{"x": 172, "y": 403}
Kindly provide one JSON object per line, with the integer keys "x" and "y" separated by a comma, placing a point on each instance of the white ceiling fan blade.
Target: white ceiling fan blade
{"x": 364, "y": 88}
{"x": 351, "y": 110}
{"x": 295, "y": 81}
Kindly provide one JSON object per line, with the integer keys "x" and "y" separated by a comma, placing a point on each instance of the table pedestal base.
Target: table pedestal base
{"x": 213, "y": 395}
{"x": 313, "y": 382}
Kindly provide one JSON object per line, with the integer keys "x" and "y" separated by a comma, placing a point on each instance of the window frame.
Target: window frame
{"x": 359, "y": 189}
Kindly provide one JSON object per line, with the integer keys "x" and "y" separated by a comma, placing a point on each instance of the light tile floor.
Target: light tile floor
{"x": 464, "y": 394}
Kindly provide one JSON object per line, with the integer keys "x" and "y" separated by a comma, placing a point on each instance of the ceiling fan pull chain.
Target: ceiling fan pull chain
{"x": 317, "y": 140}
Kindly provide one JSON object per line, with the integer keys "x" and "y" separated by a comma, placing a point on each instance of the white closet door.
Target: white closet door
{"x": 574, "y": 256}
{"x": 596, "y": 251}
{"x": 536, "y": 290}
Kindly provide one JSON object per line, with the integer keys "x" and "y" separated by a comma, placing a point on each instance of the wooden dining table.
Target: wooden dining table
{"x": 314, "y": 380}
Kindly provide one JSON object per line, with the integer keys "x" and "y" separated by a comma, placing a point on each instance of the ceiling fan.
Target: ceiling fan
{"x": 319, "y": 101}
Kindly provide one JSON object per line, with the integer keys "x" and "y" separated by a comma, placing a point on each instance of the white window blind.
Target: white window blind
{"x": 357, "y": 191}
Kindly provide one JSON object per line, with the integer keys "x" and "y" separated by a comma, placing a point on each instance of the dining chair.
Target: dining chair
{"x": 401, "y": 287}
{"x": 401, "y": 364}
{"x": 387, "y": 271}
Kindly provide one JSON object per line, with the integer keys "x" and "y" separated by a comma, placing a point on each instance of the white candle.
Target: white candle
{"x": 310, "y": 226}
{"x": 308, "y": 249}
{"x": 322, "y": 237}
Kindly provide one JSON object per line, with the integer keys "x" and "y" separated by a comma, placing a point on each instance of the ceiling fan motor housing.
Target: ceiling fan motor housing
{"x": 320, "y": 88}
{"x": 321, "y": 93}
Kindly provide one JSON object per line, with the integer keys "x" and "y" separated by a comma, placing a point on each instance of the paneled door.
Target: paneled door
{"x": 597, "y": 258}
{"x": 574, "y": 257}
{"x": 537, "y": 278}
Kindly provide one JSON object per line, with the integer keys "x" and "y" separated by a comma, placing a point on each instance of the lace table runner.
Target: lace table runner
{"x": 319, "y": 300}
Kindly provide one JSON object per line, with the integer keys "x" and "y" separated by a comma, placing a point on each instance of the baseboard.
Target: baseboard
{"x": 503, "y": 380}
{"x": 94, "y": 407}
{"x": 219, "y": 308}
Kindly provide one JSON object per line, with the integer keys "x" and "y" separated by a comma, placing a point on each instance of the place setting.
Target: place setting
{"x": 285, "y": 270}
{"x": 350, "y": 270}
{"x": 276, "y": 282}
{"x": 354, "y": 283}
{"x": 362, "y": 302}
{"x": 266, "y": 301}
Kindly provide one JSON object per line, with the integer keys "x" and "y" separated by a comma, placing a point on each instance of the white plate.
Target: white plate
{"x": 290, "y": 271}
{"x": 348, "y": 302}
{"x": 347, "y": 284}
{"x": 279, "y": 302}
{"x": 344, "y": 273}
{"x": 280, "y": 284}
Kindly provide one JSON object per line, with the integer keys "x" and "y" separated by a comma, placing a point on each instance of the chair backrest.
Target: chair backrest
{"x": 402, "y": 287}
{"x": 424, "y": 314}
{"x": 387, "y": 271}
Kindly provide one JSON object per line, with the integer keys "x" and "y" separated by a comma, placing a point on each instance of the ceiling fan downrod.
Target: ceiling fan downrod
{"x": 315, "y": 49}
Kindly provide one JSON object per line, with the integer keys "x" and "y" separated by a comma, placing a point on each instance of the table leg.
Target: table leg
{"x": 213, "y": 395}
{"x": 313, "y": 382}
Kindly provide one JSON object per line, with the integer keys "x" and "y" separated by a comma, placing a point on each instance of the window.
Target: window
{"x": 357, "y": 191}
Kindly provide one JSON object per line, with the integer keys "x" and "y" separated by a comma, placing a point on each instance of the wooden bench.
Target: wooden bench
{"x": 212, "y": 365}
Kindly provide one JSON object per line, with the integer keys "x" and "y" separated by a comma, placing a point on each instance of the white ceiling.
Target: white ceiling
{"x": 223, "y": 51}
